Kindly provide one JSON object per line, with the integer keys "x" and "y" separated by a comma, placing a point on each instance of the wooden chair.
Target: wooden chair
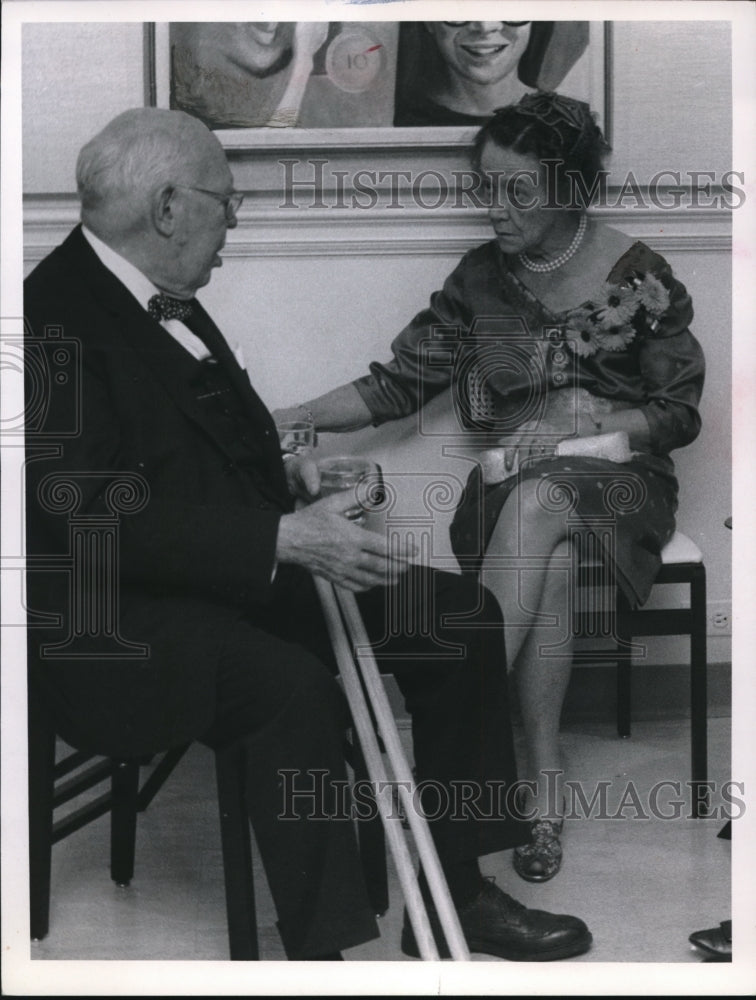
{"x": 52, "y": 783}
{"x": 612, "y": 620}
{"x": 682, "y": 562}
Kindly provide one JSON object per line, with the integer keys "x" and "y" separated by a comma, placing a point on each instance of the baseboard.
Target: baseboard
{"x": 658, "y": 693}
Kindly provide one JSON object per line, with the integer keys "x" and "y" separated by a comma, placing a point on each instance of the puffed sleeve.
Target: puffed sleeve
{"x": 671, "y": 360}
{"x": 408, "y": 381}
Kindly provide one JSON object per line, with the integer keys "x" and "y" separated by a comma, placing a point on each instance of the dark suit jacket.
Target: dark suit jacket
{"x": 201, "y": 549}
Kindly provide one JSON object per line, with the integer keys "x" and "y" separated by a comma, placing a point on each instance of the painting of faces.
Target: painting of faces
{"x": 237, "y": 74}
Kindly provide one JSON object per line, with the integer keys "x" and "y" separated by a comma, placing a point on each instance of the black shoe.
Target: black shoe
{"x": 716, "y": 942}
{"x": 495, "y": 924}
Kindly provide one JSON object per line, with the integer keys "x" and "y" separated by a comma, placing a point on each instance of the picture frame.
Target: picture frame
{"x": 591, "y": 80}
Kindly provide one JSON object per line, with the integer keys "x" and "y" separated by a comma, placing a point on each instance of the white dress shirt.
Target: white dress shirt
{"x": 143, "y": 289}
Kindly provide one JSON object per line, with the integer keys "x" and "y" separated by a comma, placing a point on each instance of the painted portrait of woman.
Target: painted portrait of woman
{"x": 459, "y": 72}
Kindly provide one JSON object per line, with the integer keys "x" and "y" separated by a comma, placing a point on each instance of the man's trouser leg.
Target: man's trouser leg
{"x": 290, "y": 712}
{"x": 462, "y": 733}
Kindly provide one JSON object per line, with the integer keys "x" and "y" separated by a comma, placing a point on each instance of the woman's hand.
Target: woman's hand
{"x": 341, "y": 409}
{"x": 532, "y": 440}
{"x": 288, "y": 414}
{"x": 565, "y": 416}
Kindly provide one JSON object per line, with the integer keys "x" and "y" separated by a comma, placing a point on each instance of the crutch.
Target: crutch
{"x": 340, "y": 607}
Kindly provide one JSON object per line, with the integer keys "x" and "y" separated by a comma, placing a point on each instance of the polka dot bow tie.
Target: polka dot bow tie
{"x": 162, "y": 307}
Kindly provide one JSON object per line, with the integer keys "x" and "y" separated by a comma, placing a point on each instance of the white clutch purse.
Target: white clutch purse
{"x": 614, "y": 447}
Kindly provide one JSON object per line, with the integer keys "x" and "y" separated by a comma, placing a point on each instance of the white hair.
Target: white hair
{"x": 134, "y": 155}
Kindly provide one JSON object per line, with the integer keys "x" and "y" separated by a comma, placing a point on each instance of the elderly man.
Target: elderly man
{"x": 214, "y": 571}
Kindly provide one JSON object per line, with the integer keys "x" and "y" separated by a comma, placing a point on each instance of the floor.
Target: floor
{"x": 641, "y": 884}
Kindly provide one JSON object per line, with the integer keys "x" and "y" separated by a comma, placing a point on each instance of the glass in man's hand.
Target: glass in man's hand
{"x": 351, "y": 472}
{"x": 296, "y": 436}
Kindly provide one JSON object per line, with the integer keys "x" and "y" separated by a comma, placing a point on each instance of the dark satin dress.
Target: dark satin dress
{"x": 530, "y": 355}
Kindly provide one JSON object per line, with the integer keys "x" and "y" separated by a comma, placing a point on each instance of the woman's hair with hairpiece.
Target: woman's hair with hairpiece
{"x": 549, "y": 126}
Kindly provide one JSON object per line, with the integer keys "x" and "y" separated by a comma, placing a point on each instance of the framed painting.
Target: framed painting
{"x": 289, "y": 83}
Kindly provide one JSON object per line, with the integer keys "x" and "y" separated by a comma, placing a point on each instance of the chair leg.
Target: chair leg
{"x": 698, "y": 697}
{"x": 125, "y": 787}
{"x": 159, "y": 776}
{"x": 230, "y": 768}
{"x": 624, "y": 668}
{"x": 41, "y": 787}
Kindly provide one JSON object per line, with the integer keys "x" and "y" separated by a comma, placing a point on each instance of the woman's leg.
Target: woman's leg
{"x": 528, "y": 567}
{"x": 542, "y": 677}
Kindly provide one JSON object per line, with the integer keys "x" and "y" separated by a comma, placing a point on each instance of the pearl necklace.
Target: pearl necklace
{"x": 563, "y": 257}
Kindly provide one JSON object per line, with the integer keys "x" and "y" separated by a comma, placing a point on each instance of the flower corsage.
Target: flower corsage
{"x": 611, "y": 321}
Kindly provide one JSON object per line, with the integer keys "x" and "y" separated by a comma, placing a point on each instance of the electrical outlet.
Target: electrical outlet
{"x": 719, "y": 618}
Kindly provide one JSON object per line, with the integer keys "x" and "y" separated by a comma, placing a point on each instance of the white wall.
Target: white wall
{"x": 313, "y": 295}
{"x": 75, "y": 78}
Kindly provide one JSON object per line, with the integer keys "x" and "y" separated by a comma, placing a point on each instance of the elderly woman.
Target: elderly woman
{"x": 579, "y": 333}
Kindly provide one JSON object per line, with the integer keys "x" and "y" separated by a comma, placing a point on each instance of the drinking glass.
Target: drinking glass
{"x": 296, "y": 436}
{"x": 347, "y": 472}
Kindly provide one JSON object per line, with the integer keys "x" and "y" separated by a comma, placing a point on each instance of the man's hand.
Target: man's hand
{"x": 302, "y": 477}
{"x": 320, "y": 538}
